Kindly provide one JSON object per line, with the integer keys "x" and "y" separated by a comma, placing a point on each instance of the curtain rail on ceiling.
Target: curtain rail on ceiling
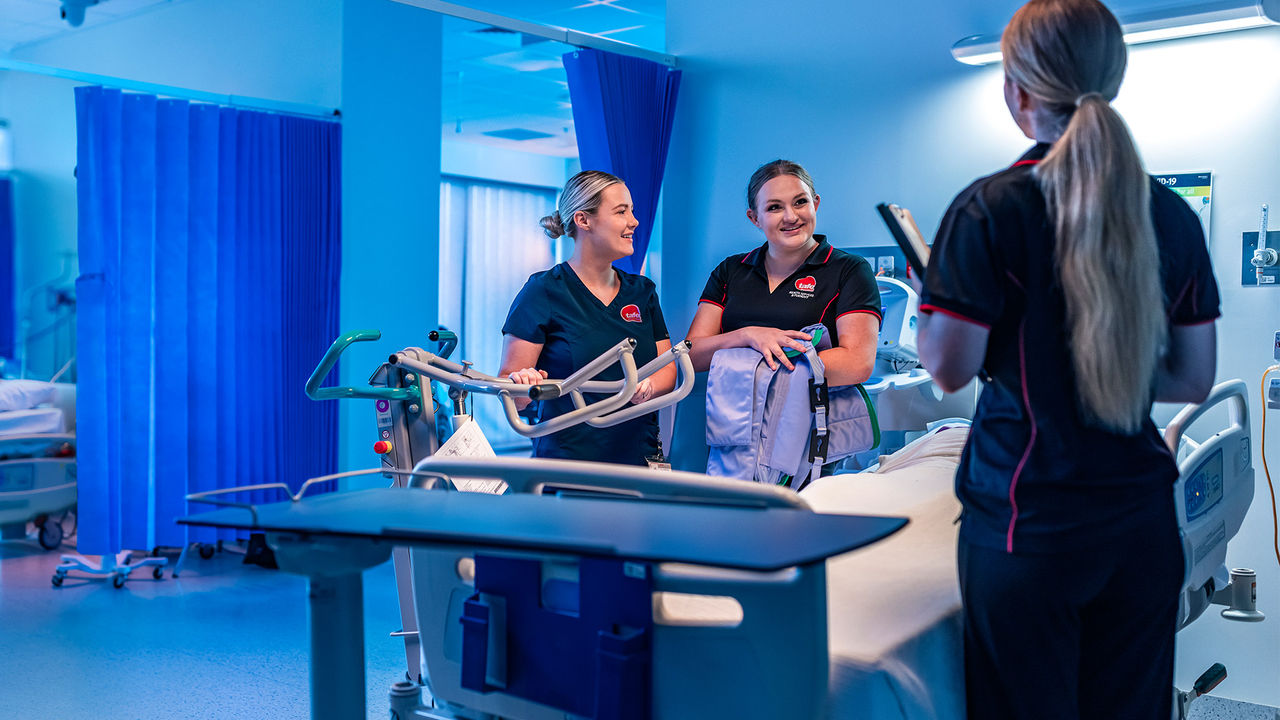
{"x": 249, "y": 103}
{"x": 559, "y": 34}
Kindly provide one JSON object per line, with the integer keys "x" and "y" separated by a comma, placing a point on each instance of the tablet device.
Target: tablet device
{"x": 903, "y": 228}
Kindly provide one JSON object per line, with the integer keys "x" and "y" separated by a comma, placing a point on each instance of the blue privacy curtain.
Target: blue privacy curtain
{"x": 209, "y": 260}
{"x": 622, "y": 112}
{"x": 8, "y": 268}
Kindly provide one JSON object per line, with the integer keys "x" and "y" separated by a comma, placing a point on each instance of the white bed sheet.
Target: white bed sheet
{"x": 894, "y": 607}
{"x": 32, "y": 422}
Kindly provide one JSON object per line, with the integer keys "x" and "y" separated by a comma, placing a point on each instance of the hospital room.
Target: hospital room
{"x": 399, "y": 358}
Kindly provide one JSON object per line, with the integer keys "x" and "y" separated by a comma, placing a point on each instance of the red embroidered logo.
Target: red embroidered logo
{"x": 806, "y": 284}
{"x": 631, "y": 313}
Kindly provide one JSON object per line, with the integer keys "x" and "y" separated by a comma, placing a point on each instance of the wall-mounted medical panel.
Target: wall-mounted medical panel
{"x": 1249, "y": 275}
{"x": 885, "y": 260}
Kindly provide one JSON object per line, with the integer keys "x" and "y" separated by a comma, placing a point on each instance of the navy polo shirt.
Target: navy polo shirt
{"x": 1034, "y": 477}
{"x": 830, "y": 284}
{"x": 556, "y": 310}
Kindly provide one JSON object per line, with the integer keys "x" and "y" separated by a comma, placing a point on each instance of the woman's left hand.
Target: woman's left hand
{"x": 644, "y": 391}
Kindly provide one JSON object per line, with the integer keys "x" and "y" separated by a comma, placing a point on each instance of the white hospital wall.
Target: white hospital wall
{"x": 868, "y": 99}
{"x": 1211, "y": 104}
{"x": 496, "y": 164}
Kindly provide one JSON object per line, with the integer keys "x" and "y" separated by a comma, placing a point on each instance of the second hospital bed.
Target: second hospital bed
{"x": 37, "y": 457}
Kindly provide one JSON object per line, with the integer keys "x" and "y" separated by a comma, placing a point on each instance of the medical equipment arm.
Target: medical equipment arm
{"x": 315, "y": 392}
{"x": 679, "y": 353}
{"x": 463, "y": 377}
{"x": 448, "y": 341}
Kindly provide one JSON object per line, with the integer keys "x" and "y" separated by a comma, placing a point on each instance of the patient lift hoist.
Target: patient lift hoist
{"x": 470, "y": 552}
{"x": 409, "y": 428}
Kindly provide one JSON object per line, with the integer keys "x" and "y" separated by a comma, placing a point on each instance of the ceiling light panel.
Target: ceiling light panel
{"x": 1185, "y": 20}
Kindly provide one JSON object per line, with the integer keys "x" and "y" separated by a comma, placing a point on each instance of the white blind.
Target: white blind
{"x": 490, "y": 242}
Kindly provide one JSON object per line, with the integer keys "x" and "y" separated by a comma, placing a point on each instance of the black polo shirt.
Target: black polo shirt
{"x": 1034, "y": 477}
{"x": 831, "y": 283}
{"x": 556, "y": 310}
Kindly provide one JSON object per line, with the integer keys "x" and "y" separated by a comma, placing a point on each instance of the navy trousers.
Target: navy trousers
{"x": 1074, "y": 634}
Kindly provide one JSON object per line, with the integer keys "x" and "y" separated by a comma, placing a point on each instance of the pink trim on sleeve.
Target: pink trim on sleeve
{"x": 954, "y": 314}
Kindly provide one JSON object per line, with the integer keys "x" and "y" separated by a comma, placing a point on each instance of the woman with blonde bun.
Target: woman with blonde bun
{"x": 567, "y": 316}
{"x": 1084, "y": 289}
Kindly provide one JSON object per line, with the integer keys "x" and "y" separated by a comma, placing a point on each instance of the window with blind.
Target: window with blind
{"x": 490, "y": 242}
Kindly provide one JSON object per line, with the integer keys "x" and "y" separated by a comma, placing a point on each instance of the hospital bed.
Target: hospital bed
{"x": 896, "y": 645}
{"x": 728, "y": 612}
{"x": 37, "y": 458}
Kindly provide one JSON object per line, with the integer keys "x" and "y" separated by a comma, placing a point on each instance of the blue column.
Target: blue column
{"x": 390, "y": 194}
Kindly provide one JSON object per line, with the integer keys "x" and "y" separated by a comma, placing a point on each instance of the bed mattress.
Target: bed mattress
{"x": 894, "y": 607}
{"x": 32, "y": 422}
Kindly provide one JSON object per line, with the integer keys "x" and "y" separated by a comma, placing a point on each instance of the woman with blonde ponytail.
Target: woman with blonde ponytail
{"x": 567, "y": 316}
{"x": 1083, "y": 289}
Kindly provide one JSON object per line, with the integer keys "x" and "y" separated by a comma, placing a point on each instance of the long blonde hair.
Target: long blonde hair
{"x": 1070, "y": 54}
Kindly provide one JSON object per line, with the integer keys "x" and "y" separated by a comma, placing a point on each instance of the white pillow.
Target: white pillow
{"x": 24, "y": 394}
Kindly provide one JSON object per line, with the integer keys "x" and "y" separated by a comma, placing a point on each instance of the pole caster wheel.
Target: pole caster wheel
{"x": 117, "y": 580}
{"x": 57, "y": 579}
{"x": 158, "y": 573}
{"x": 50, "y": 535}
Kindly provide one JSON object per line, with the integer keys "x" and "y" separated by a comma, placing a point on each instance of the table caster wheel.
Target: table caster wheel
{"x": 206, "y": 551}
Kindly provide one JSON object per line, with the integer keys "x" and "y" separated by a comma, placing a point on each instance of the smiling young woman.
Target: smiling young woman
{"x": 566, "y": 316}
{"x": 761, "y": 299}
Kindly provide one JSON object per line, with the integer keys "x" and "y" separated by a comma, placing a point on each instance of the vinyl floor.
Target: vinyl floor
{"x": 223, "y": 640}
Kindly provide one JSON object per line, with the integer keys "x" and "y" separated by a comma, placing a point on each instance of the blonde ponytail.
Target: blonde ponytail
{"x": 1070, "y": 53}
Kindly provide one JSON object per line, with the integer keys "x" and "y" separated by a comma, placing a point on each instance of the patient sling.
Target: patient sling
{"x": 780, "y": 426}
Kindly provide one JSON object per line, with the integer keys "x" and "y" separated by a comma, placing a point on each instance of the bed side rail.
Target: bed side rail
{"x": 526, "y": 475}
{"x": 1233, "y": 392}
